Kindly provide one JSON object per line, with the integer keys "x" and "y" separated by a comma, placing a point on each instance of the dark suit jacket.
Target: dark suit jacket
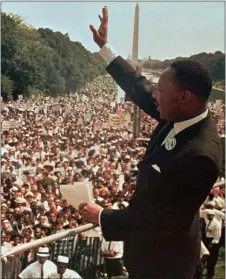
{"x": 161, "y": 225}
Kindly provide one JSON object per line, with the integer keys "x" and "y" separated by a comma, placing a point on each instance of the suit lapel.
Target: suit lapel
{"x": 158, "y": 136}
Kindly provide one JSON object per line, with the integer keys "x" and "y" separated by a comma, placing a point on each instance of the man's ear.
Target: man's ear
{"x": 185, "y": 97}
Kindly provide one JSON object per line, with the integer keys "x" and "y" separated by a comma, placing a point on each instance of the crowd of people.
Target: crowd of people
{"x": 47, "y": 142}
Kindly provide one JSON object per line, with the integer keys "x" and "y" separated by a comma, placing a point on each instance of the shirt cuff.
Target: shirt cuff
{"x": 99, "y": 218}
{"x": 108, "y": 53}
{"x": 215, "y": 241}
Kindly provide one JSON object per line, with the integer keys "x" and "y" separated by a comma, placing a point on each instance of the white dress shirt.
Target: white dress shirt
{"x": 180, "y": 126}
{"x": 107, "y": 246}
{"x": 34, "y": 270}
{"x": 70, "y": 274}
{"x": 213, "y": 230}
{"x": 108, "y": 53}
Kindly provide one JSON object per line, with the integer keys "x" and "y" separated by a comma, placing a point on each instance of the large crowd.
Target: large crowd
{"x": 47, "y": 142}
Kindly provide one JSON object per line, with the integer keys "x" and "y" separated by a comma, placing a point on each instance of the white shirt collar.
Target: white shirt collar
{"x": 179, "y": 126}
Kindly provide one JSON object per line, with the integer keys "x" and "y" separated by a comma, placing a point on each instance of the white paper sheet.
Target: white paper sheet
{"x": 77, "y": 193}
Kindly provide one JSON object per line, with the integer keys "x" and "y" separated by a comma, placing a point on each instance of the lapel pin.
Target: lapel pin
{"x": 170, "y": 143}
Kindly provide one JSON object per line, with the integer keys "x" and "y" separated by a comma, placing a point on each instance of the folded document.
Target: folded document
{"x": 77, "y": 193}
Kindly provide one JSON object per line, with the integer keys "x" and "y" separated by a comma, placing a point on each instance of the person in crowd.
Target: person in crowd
{"x": 6, "y": 226}
{"x": 63, "y": 271}
{"x": 42, "y": 268}
{"x": 38, "y": 233}
{"x": 59, "y": 227}
{"x": 112, "y": 251}
{"x": 211, "y": 241}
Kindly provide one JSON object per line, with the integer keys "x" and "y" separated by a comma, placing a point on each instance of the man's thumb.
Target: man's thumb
{"x": 93, "y": 29}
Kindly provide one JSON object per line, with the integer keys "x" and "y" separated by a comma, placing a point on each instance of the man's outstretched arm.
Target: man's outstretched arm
{"x": 134, "y": 84}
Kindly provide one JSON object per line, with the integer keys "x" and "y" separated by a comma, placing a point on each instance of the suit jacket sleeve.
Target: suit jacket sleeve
{"x": 135, "y": 85}
{"x": 174, "y": 211}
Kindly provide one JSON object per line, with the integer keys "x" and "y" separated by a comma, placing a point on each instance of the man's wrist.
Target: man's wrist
{"x": 101, "y": 45}
{"x": 108, "y": 53}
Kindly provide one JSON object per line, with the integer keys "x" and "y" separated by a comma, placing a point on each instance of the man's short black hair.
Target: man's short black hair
{"x": 193, "y": 76}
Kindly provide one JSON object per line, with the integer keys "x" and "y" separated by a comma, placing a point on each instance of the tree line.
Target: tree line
{"x": 214, "y": 61}
{"x": 35, "y": 60}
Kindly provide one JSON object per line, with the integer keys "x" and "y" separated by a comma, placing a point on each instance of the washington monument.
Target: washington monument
{"x": 135, "y": 63}
{"x": 135, "y": 37}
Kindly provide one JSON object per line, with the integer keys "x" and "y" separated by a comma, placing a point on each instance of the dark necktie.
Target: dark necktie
{"x": 42, "y": 272}
{"x": 109, "y": 246}
{"x": 159, "y": 138}
{"x": 61, "y": 276}
{"x": 208, "y": 226}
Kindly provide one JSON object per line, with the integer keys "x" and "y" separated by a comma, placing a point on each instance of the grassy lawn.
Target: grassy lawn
{"x": 220, "y": 271}
{"x": 220, "y": 267}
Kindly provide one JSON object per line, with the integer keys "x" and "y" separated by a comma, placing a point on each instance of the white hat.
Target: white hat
{"x": 13, "y": 189}
{"x": 57, "y": 170}
{"x": 127, "y": 157}
{"x": 20, "y": 200}
{"x": 43, "y": 252}
{"x": 46, "y": 164}
{"x": 62, "y": 260}
{"x": 29, "y": 194}
{"x": 210, "y": 212}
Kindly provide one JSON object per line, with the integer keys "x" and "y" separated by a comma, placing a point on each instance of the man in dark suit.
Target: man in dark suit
{"x": 160, "y": 227}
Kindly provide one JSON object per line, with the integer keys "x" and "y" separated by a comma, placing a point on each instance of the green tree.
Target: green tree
{"x": 44, "y": 60}
{"x": 214, "y": 61}
{"x": 6, "y": 87}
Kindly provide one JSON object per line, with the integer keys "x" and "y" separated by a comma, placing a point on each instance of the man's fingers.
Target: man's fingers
{"x": 105, "y": 14}
{"x": 93, "y": 29}
{"x": 100, "y": 17}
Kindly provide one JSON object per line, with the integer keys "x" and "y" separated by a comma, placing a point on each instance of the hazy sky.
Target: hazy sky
{"x": 167, "y": 29}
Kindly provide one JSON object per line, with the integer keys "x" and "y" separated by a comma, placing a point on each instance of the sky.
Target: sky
{"x": 166, "y": 29}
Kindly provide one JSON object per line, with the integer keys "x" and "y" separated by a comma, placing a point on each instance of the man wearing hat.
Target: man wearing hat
{"x": 29, "y": 198}
{"x": 219, "y": 215}
{"x": 21, "y": 203}
{"x": 42, "y": 268}
{"x": 63, "y": 271}
{"x": 211, "y": 241}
